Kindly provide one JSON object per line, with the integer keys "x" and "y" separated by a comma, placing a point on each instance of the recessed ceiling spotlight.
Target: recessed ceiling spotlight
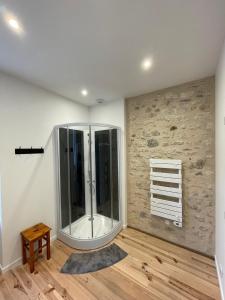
{"x": 84, "y": 92}
{"x": 13, "y": 23}
{"x": 146, "y": 64}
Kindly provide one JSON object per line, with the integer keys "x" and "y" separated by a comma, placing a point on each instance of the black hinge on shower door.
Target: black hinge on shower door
{"x": 71, "y": 150}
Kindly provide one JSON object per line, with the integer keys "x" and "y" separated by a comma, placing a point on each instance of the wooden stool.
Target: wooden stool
{"x": 29, "y": 237}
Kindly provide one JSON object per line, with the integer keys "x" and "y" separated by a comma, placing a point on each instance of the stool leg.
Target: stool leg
{"x": 24, "y": 252}
{"x": 31, "y": 257}
{"x": 48, "y": 245}
{"x": 40, "y": 245}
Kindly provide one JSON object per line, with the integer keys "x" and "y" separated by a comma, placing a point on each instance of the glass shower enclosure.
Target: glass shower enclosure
{"x": 88, "y": 164}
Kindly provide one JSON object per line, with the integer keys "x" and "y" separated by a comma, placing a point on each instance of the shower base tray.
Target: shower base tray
{"x": 81, "y": 233}
{"x": 81, "y": 229}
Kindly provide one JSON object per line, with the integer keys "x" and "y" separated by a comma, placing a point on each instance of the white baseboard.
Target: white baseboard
{"x": 12, "y": 265}
{"x": 124, "y": 226}
{"x": 219, "y": 278}
{"x": 17, "y": 262}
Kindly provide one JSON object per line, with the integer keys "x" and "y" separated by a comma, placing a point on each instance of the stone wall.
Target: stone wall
{"x": 174, "y": 123}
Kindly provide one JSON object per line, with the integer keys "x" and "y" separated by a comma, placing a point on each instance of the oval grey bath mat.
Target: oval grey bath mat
{"x": 80, "y": 263}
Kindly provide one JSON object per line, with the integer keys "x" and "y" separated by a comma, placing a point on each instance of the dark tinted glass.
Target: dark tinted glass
{"x": 76, "y": 172}
{"x": 107, "y": 173}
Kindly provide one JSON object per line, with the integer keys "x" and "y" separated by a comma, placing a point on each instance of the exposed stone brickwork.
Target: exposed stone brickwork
{"x": 174, "y": 123}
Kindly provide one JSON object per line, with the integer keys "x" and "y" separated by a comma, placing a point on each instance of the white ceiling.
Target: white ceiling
{"x": 99, "y": 44}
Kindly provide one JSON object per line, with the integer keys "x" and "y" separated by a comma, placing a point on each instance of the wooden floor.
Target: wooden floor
{"x": 153, "y": 269}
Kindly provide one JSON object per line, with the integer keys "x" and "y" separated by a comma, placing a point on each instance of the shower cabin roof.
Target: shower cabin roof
{"x": 86, "y": 124}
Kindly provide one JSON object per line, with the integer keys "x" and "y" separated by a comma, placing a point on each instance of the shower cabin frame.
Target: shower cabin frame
{"x": 94, "y": 242}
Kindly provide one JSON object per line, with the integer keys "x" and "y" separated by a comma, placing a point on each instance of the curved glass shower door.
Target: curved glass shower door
{"x": 105, "y": 179}
{"x": 89, "y": 181}
{"x": 72, "y": 177}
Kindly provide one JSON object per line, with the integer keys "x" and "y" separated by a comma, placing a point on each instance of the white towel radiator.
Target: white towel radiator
{"x": 166, "y": 189}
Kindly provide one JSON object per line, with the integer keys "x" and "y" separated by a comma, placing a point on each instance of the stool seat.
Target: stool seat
{"x": 29, "y": 236}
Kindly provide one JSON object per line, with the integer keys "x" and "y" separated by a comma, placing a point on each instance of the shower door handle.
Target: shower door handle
{"x": 89, "y": 181}
{"x": 93, "y": 186}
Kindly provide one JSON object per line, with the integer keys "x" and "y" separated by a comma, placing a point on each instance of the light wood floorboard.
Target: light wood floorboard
{"x": 153, "y": 269}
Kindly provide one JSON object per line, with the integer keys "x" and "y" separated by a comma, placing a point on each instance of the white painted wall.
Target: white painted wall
{"x": 114, "y": 113}
{"x": 27, "y": 182}
{"x": 220, "y": 168}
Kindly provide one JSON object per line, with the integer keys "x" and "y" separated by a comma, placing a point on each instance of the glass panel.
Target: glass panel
{"x": 80, "y": 182}
{"x": 65, "y": 215}
{"x": 114, "y": 174}
{"x": 106, "y": 180}
{"x": 102, "y": 163}
{"x": 77, "y": 185}
{"x": 90, "y": 173}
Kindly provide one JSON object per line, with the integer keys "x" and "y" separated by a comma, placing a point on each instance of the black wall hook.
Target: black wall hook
{"x": 29, "y": 150}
